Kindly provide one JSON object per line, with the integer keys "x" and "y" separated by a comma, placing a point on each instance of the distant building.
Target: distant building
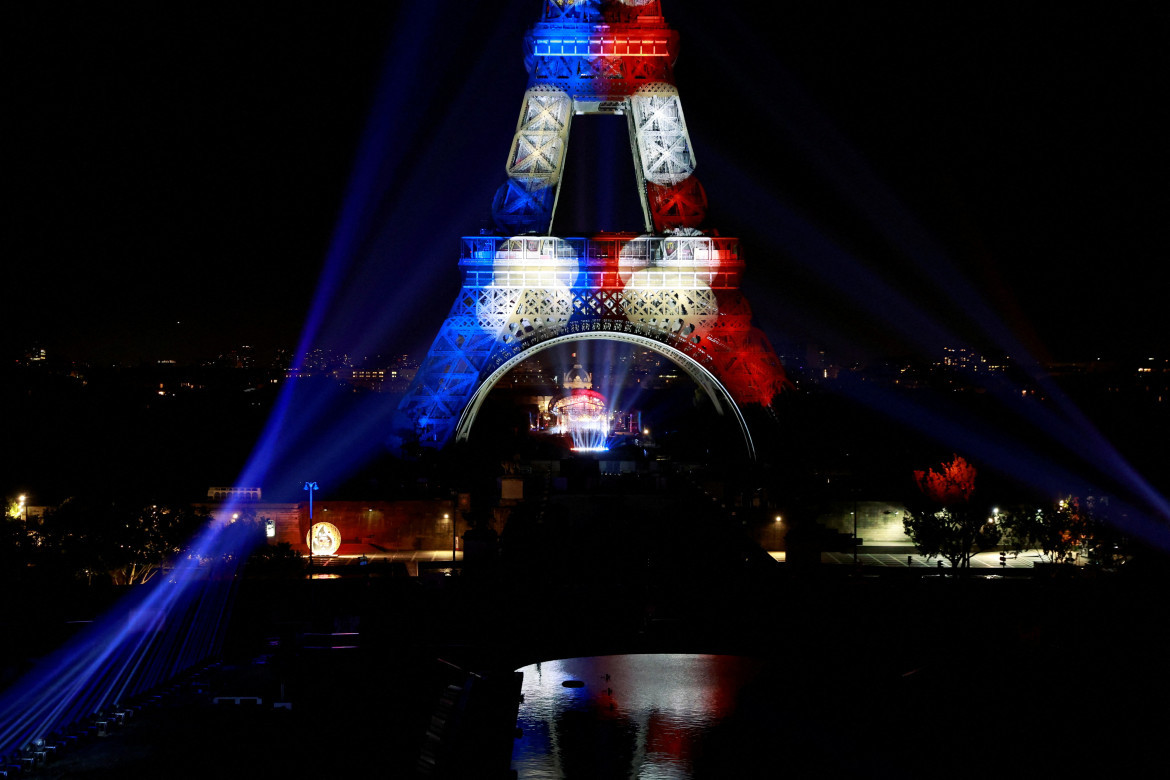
{"x": 370, "y": 379}
{"x": 968, "y": 360}
{"x": 249, "y": 494}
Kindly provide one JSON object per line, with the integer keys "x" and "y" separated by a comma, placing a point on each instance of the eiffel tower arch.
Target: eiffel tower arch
{"x": 673, "y": 289}
{"x": 723, "y": 403}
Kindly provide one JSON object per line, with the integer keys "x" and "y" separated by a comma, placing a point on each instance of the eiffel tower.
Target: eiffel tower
{"x": 672, "y": 289}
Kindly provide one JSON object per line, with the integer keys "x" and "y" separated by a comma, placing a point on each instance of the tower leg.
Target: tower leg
{"x": 664, "y": 160}
{"x": 526, "y": 202}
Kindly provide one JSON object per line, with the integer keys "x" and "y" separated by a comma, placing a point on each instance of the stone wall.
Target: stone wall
{"x": 394, "y": 525}
{"x": 879, "y": 523}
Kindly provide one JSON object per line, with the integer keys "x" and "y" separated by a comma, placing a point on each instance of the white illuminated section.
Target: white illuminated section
{"x": 660, "y": 133}
{"x": 530, "y": 290}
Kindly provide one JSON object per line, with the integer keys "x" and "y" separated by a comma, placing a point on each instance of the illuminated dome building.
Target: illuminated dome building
{"x": 580, "y": 411}
{"x": 578, "y": 378}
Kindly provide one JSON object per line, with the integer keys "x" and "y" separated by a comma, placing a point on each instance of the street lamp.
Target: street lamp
{"x": 854, "y": 513}
{"x": 447, "y": 518}
{"x": 22, "y": 510}
{"x": 311, "y": 487}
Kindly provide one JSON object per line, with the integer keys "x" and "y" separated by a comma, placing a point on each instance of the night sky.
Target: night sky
{"x": 901, "y": 177}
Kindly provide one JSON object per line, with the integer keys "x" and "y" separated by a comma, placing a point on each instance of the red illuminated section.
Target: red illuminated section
{"x": 682, "y": 205}
{"x": 952, "y": 484}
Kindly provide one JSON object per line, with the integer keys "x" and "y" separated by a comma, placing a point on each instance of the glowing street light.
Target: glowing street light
{"x": 22, "y": 510}
{"x": 454, "y": 538}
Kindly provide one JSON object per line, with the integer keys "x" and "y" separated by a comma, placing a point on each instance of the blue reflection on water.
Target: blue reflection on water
{"x": 644, "y": 716}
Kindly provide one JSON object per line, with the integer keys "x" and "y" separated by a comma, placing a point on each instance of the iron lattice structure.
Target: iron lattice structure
{"x": 673, "y": 288}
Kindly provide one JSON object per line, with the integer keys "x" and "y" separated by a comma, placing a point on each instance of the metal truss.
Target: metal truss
{"x": 660, "y": 132}
{"x": 599, "y": 10}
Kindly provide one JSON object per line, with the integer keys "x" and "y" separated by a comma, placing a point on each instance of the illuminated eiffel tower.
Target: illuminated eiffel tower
{"x": 673, "y": 289}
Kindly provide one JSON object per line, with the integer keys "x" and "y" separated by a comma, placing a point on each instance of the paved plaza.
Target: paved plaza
{"x": 884, "y": 557}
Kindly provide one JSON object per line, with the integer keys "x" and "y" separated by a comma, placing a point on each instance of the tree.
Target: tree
{"x": 1102, "y": 542}
{"x": 1065, "y": 532}
{"x": 74, "y": 539}
{"x": 151, "y": 538}
{"x": 943, "y": 522}
{"x": 129, "y": 544}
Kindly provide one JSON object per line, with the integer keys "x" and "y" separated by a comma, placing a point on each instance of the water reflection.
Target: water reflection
{"x": 643, "y": 716}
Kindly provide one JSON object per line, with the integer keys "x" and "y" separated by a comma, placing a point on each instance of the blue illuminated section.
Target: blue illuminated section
{"x": 380, "y": 154}
{"x": 506, "y": 283}
{"x": 162, "y": 629}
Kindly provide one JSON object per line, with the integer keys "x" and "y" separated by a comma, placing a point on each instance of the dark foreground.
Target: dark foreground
{"x": 894, "y": 676}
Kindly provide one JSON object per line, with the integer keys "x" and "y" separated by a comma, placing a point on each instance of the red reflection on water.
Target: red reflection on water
{"x": 667, "y": 703}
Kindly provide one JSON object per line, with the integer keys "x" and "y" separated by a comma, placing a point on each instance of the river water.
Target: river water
{"x": 653, "y": 716}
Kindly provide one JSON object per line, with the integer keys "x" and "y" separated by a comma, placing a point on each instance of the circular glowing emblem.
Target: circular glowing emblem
{"x": 323, "y": 539}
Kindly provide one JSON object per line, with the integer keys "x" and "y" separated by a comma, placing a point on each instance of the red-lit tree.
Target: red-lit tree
{"x": 949, "y": 487}
{"x": 943, "y": 522}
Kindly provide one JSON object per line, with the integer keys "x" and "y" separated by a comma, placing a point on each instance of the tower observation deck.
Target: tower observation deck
{"x": 673, "y": 288}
